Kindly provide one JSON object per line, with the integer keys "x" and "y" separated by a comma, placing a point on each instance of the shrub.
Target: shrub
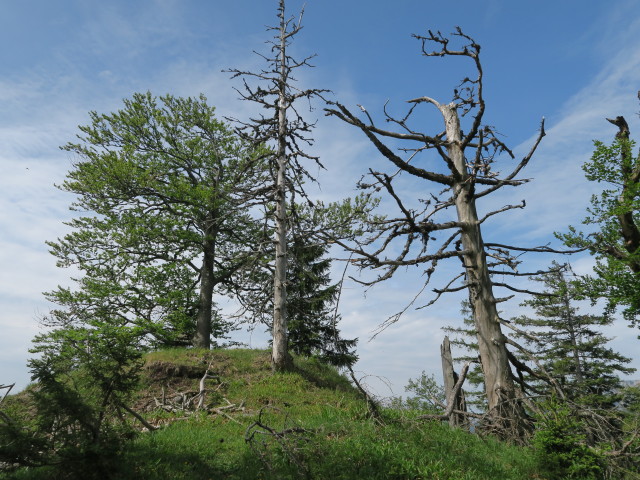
{"x": 560, "y": 445}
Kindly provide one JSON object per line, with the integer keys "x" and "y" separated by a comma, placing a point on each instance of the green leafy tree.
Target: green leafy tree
{"x": 570, "y": 347}
{"x": 428, "y": 396}
{"x": 612, "y": 223}
{"x": 165, "y": 189}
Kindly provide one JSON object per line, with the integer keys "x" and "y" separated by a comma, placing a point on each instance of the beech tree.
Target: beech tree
{"x": 421, "y": 235}
{"x": 165, "y": 190}
{"x": 615, "y": 215}
{"x": 285, "y": 130}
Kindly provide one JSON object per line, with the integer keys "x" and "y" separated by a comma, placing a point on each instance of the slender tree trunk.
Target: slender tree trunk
{"x": 499, "y": 385}
{"x": 280, "y": 360}
{"x": 202, "y": 338}
{"x": 571, "y": 324}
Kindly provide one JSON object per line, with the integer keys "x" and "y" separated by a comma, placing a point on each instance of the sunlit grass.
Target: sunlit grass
{"x": 329, "y": 432}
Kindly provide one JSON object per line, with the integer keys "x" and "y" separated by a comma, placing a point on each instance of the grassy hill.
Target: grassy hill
{"x": 310, "y": 424}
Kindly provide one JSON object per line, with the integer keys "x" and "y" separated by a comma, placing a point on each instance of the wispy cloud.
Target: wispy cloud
{"x": 117, "y": 50}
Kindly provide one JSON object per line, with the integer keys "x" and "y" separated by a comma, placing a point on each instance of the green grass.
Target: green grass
{"x": 330, "y": 433}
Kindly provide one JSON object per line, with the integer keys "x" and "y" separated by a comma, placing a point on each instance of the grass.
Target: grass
{"x": 327, "y": 431}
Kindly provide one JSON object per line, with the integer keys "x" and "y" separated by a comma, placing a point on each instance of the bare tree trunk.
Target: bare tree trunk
{"x": 450, "y": 379}
{"x": 285, "y": 127}
{"x": 499, "y": 385}
{"x": 280, "y": 359}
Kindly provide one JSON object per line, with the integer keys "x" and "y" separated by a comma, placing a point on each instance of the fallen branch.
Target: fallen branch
{"x": 150, "y": 427}
{"x": 374, "y": 411}
{"x": 9, "y": 388}
{"x": 281, "y": 437}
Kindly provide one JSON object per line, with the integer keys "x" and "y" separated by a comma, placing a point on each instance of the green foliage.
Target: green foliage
{"x": 630, "y": 400}
{"x": 76, "y": 421}
{"x": 312, "y": 319}
{"x": 428, "y": 395}
{"x": 165, "y": 191}
{"x": 611, "y": 228}
{"x": 326, "y": 433}
{"x": 561, "y": 447}
{"x": 569, "y": 345}
{"x": 312, "y": 322}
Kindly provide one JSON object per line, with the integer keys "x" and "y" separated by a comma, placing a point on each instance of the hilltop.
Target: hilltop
{"x": 310, "y": 424}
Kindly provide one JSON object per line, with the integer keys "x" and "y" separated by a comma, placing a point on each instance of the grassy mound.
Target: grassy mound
{"x": 309, "y": 424}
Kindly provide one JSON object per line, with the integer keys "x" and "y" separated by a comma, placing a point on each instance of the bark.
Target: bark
{"x": 455, "y": 399}
{"x": 499, "y": 386}
{"x": 628, "y": 228}
{"x": 202, "y": 338}
{"x": 287, "y": 129}
{"x": 280, "y": 360}
{"x": 413, "y": 231}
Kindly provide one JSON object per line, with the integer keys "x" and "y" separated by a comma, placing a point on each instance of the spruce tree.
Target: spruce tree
{"x": 570, "y": 346}
{"x": 310, "y": 306}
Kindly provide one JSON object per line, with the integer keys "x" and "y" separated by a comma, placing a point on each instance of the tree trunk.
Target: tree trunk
{"x": 202, "y": 338}
{"x": 280, "y": 360}
{"x": 450, "y": 379}
{"x": 499, "y": 385}
{"x": 571, "y": 326}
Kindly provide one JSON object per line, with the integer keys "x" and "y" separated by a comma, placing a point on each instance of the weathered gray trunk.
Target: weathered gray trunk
{"x": 499, "y": 385}
{"x": 450, "y": 379}
{"x": 280, "y": 357}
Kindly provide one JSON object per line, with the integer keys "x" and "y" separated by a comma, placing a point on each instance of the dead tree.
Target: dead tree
{"x": 284, "y": 130}
{"x": 455, "y": 399}
{"x": 467, "y": 149}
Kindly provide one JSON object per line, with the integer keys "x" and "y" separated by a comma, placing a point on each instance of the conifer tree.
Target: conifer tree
{"x": 310, "y": 306}
{"x": 570, "y": 346}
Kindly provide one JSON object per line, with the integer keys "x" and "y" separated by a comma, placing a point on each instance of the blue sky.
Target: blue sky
{"x": 573, "y": 62}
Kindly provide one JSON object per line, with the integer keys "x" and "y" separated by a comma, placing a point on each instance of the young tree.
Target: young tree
{"x": 311, "y": 302}
{"x": 570, "y": 346}
{"x": 467, "y": 150}
{"x": 168, "y": 189}
{"x": 78, "y": 414}
{"x": 311, "y": 306}
{"x": 285, "y": 130}
{"x": 615, "y": 215}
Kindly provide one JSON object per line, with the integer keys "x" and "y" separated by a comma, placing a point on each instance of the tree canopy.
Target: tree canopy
{"x": 611, "y": 227}
{"x": 165, "y": 190}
